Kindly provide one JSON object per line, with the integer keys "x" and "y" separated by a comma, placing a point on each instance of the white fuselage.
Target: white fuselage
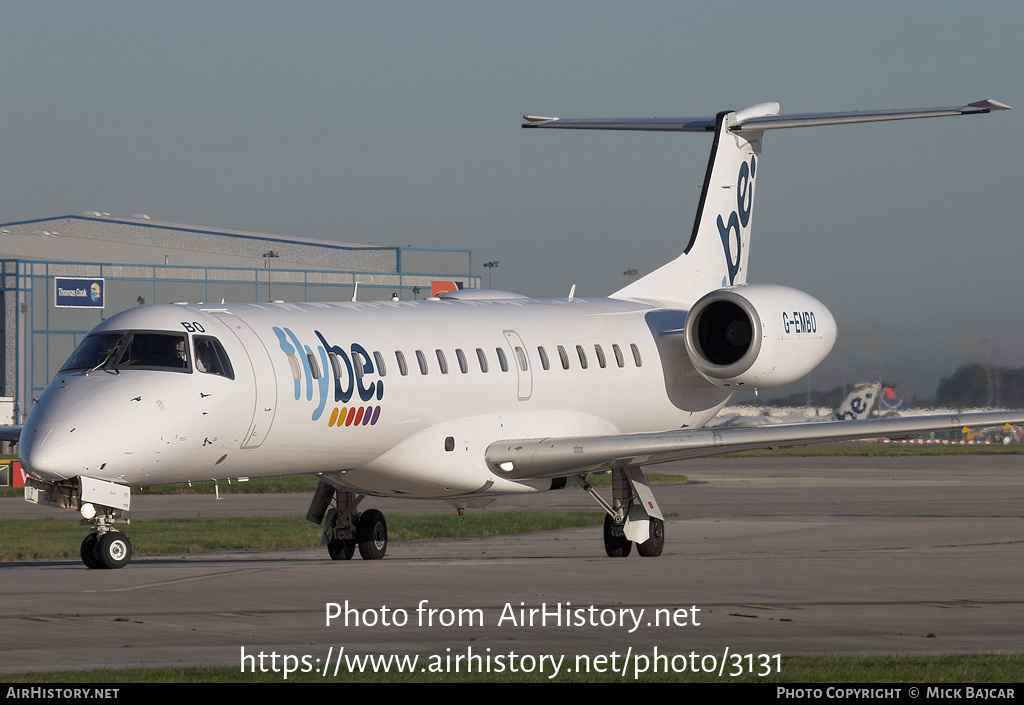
{"x": 310, "y": 394}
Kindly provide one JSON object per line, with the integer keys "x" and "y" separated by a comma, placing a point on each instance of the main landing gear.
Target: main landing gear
{"x": 345, "y": 529}
{"x": 632, "y": 517}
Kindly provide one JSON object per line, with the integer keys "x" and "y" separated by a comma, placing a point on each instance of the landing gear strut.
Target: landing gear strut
{"x": 345, "y": 529}
{"x": 632, "y": 517}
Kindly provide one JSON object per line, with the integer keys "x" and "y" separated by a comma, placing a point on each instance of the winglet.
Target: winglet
{"x": 987, "y": 105}
{"x": 532, "y": 120}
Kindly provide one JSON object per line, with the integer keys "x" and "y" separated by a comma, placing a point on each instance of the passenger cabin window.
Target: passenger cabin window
{"x": 521, "y": 356}
{"x": 442, "y": 362}
{"x": 335, "y": 365}
{"x": 618, "y": 355}
{"x": 211, "y": 358}
{"x": 543, "y": 357}
{"x": 502, "y": 361}
{"x": 357, "y": 364}
{"x": 563, "y": 357}
{"x": 422, "y": 360}
{"x": 402, "y": 367}
{"x": 600, "y": 356}
{"x": 313, "y": 366}
{"x": 463, "y": 365}
{"x": 481, "y": 357}
{"x": 583, "y": 356}
{"x": 381, "y": 369}
{"x": 636, "y": 354}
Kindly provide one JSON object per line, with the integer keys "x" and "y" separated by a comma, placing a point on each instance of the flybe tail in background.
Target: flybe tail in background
{"x": 464, "y": 397}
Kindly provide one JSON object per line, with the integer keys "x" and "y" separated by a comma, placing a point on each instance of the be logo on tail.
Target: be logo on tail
{"x": 732, "y": 230}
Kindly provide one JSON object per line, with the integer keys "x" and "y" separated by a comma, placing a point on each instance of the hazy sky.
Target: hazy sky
{"x": 398, "y": 123}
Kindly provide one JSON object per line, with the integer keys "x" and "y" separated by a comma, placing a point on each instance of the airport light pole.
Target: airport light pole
{"x": 269, "y": 255}
{"x": 490, "y": 266}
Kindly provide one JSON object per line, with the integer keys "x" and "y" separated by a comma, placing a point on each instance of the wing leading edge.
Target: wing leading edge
{"x": 537, "y": 458}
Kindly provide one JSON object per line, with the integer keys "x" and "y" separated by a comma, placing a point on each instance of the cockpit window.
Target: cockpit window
{"x": 211, "y": 358}
{"x": 131, "y": 350}
{"x": 154, "y": 351}
{"x": 93, "y": 351}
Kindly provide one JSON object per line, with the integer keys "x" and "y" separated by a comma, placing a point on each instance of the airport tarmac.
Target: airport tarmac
{"x": 918, "y": 555}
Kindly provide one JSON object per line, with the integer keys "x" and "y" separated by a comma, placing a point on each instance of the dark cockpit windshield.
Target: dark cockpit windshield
{"x": 145, "y": 350}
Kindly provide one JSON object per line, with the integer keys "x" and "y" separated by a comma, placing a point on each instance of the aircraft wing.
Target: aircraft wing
{"x": 536, "y": 458}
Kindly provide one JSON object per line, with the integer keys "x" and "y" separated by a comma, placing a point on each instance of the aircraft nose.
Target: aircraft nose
{"x": 49, "y": 453}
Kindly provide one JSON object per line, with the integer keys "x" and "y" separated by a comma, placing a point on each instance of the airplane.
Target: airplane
{"x": 464, "y": 397}
{"x": 860, "y": 403}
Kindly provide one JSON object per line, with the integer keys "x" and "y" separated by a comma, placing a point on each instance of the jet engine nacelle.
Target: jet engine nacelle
{"x": 755, "y": 336}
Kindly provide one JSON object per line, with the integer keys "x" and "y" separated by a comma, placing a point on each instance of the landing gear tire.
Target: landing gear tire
{"x": 372, "y": 535}
{"x": 615, "y": 545}
{"x": 113, "y": 550}
{"x": 651, "y": 548}
{"x": 88, "y": 552}
{"x": 341, "y": 549}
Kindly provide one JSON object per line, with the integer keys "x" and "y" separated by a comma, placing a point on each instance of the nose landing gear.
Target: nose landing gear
{"x": 109, "y": 549}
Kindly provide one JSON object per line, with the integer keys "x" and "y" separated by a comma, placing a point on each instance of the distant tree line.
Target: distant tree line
{"x": 976, "y": 385}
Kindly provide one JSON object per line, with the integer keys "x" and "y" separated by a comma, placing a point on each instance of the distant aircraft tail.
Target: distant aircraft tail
{"x": 890, "y": 401}
{"x": 716, "y": 254}
{"x": 859, "y": 403}
{"x": 876, "y": 398}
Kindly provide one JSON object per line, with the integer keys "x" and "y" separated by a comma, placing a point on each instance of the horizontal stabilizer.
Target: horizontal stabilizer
{"x": 756, "y": 119}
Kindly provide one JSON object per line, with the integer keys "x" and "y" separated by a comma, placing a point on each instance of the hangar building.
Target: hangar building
{"x": 59, "y": 277}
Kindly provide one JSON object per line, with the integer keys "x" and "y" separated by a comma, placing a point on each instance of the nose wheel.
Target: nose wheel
{"x": 111, "y": 549}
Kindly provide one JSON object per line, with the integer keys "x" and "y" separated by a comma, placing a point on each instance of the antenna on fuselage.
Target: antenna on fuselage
{"x": 355, "y": 292}
{"x": 572, "y": 292}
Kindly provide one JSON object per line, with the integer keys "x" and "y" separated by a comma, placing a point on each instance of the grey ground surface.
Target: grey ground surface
{"x": 792, "y": 556}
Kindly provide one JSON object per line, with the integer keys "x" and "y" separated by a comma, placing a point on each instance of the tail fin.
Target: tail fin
{"x": 716, "y": 254}
{"x": 859, "y": 403}
{"x": 889, "y": 400}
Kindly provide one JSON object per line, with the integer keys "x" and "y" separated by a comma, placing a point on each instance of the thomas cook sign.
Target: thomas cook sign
{"x": 78, "y": 293}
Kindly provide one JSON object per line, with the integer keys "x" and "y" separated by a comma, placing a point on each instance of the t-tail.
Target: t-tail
{"x": 715, "y": 256}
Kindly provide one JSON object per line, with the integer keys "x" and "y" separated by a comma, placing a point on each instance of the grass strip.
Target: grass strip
{"x": 972, "y": 668}
{"x": 51, "y": 537}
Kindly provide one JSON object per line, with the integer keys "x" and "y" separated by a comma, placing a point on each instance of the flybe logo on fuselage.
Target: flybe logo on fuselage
{"x": 733, "y": 231}
{"x": 351, "y": 370}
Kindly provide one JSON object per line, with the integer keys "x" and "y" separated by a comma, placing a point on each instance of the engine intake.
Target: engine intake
{"x": 757, "y": 336}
